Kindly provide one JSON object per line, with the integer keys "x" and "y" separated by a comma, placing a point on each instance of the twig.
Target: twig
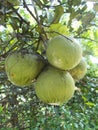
{"x": 59, "y": 34}
{"x": 35, "y": 11}
{"x": 53, "y": 6}
{"x": 6, "y": 53}
{"x": 15, "y": 10}
{"x": 39, "y": 3}
{"x": 25, "y": 5}
{"x": 84, "y": 30}
{"x": 86, "y": 38}
{"x": 94, "y": 25}
{"x": 42, "y": 33}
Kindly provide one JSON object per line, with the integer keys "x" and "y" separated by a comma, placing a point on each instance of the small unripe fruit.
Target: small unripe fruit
{"x": 79, "y": 71}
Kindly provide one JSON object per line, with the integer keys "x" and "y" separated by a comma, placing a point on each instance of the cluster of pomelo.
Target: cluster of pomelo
{"x": 55, "y": 81}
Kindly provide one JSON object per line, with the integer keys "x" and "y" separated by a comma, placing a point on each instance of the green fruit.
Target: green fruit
{"x": 22, "y": 69}
{"x": 54, "y": 86}
{"x": 79, "y": 71}
{"x": 63, "y": 53}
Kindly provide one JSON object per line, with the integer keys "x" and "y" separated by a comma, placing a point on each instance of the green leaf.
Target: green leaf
{"x": 59, "y": 10}
{"x": 87, "y": 18}
{"x": 90, "y": 104}
{"x": 1, "y": 109}
{"x": 76, "y": 2}
{"x": 9, "y": 128}
{"x": 14, "y": 21}
{"x": 95, "y": 7}
{"x": 84, "y": 98}
{"x": 57, "y": 29}
{"x": 14, "y": 2}
{"x": 2, "y": 19}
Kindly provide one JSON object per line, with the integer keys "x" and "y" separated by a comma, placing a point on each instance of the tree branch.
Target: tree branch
{"x": 86, "y": 38}
{"x": 25, "y": 5}
{"x": 22, "y": 19}
{"x": 35, "y": 11}
{"x": 42, "y": 33}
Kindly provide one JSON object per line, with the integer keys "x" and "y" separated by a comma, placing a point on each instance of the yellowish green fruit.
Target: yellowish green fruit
{"x": 22, "y": 69}
{"x": 54, "y": 86}
{"x": 79, "y": 71}
{"x": 63, "y": 53}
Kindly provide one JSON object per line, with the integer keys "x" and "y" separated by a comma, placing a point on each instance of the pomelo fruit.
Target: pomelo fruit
{"x": 54, "y": 86}
{"x": 22, "y": 69}
{"x": 79, "y": 71}
{"x": 63, "y": 53}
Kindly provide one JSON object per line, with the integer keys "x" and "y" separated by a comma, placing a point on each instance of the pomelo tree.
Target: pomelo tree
{"x": 36, "y": 34}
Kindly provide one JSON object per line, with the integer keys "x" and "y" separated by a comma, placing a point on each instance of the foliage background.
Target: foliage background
{"x": 29, "y": 25}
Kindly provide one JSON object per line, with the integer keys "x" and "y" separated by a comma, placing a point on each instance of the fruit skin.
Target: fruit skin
{"x": 63, "y": 53}
{"x": 54, "y": 86}
{"x": 21, "y": 68}
{"x": 79, "y": 71}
